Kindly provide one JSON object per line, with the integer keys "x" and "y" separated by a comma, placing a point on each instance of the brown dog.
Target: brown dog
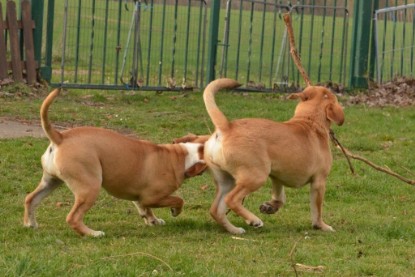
{"x": 89, "y": 158}
{"x": 243, "y": 153}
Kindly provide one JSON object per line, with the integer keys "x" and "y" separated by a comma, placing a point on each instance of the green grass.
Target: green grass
{"x": 373, "y": 213}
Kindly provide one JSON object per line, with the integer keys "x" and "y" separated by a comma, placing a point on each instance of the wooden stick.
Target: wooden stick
{"x": 338, "y": 144}
{"x": 293, "y": 50}
{"x": 348, "y": 154}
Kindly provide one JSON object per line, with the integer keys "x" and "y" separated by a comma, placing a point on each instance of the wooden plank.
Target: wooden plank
{"x": 3, "y": 54}
{"x": 14, "y": 41}
{"x": 28, "y": 42}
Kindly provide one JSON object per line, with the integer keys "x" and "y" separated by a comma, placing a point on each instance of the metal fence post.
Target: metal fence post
{"x": 372, "y": 60}
{"x": 213, "y": 40}
{"x": 362, "y": 20}
{"x": 37, "y": 16}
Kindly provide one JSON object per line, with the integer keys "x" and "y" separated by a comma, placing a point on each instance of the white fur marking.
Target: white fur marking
{"x": 192, "y": 156}
{"x": 48, "y": 159}
{"x": 214, "y": 146}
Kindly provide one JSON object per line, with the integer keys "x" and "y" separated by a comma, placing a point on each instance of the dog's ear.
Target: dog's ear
{"x": 334, "y": 113}
{"x": 192, "y": 138}
{"x": 197, "y": 169}
{"x": 187, "y": 138}
{"x": 299, "y": 95}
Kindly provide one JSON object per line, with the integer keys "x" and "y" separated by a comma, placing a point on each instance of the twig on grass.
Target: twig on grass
{"x": 302, "y": 267}
{"x": 346, "y": 153}
{"x": 139, "y": 253}
{"x": 291, "y": 255}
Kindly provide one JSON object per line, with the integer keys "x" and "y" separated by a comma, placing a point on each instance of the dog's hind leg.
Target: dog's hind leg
{"x": 317, "y": 190}
{"x": 46, "y": 186}
{"x": 84, "y": 200}
{"x": 148, "y": 215}
{"x": 235, "y": 198}
{"x": 224, "y": 184}
{"x": 277, "y": 201}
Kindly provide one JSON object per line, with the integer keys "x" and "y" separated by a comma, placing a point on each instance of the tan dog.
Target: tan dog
{"x": 89, "y": 158}
{"x": 243, "y": 153}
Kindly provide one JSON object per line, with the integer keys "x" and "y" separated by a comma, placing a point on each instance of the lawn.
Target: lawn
{"x": 373, "y": 213}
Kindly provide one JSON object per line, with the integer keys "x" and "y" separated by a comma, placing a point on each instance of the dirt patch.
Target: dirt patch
{"x": 15, "y": 129}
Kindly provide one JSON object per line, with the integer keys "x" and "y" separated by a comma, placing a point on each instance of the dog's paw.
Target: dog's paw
{"x": 154, "y": 221}
{"x": 324, "y": 227}
{"x": 158, "y": 221}
{"x": 175, "y": 211}
{"x": 96, "y": 234}
{"x": 33, "y": 225}
{"x": 270, "y": 208}
{"x": 237, "y": 231}
{"x": 256, "y": 223}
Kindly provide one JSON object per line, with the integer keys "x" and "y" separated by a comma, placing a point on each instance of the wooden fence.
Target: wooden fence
{"x": 19, "y": 33}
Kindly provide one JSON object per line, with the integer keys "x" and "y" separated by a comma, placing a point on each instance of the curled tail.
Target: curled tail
{"x": 217, "y": 117}
{"x": 53, "y": 135}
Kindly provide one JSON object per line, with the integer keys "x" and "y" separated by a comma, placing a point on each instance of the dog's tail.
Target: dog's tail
{"x": 217, "y": 117}
{"x": 53, "y": 135}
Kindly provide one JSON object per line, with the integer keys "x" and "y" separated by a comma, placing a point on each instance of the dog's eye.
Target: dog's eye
{"x": 326, "y": 96}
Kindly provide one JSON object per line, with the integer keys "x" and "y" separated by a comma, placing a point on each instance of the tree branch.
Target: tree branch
{"x": 293, "y": 50}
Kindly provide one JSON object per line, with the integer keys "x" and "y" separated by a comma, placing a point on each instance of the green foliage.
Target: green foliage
{"x": 373, "y": 213}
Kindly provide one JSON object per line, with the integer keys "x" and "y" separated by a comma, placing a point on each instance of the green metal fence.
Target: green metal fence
{"x": 395, "y": 57}
{"x": 182, "y": 44}
{"x": 152, "y": 45}
{"x": 255, "y": 48}
{"x": 162, "y": 45}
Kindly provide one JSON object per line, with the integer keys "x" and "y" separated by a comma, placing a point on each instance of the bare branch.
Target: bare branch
{"x": 347, "y": 153}
{"x": 293, "y": 50}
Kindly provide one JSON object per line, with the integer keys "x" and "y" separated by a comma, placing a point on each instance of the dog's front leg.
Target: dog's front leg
{"x": 147, "y": 214}
{"x": 317, "y": 190}
{"x": 277, "y": 201}
{"x": 174, "y": 202}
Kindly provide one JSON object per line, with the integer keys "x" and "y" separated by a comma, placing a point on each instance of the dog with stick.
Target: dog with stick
{"x": 243, "y": 153}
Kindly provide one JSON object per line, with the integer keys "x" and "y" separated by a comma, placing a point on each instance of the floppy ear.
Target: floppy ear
{"x": 187, "y": 138}
{"x": 299, "y": 95}
{"x": 192, "y": 138}
{"x": 197, "y": 169}
{"x": 334, "y": 113}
